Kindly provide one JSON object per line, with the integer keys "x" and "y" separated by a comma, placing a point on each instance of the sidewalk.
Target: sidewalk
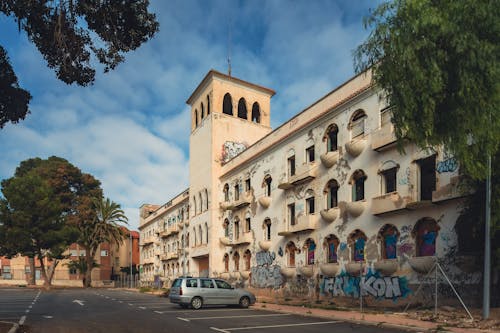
{"x": 389, "y": 320}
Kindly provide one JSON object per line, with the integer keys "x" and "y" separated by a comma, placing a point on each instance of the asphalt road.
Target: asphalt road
{"x": 110, "y": 310}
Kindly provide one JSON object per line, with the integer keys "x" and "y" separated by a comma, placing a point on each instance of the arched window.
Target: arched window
{"x": 226, "y": 262}
{"x": 310, "y": 202}
{"x": 226, "y": 228}
{"x": 388, "y": 237}
{"x": 332, "y": 245}
{"x": 242, "y": 109}
{"x": 196, "y": 118}
{"x": 194, "y": 205}
{"x": 200, "y": 234}
{"x": 426, "y": 231}
{"x": 357, "y": 240}
{"x": 331, "y": 192}
{"x": 331, "y": 138}
{"x": 248, "y": 258}
{"x": 208, "y": 105}
{"x": 183, "y": 245}
{"x": 202, "y": 111}
{"x": 310, "y": 247}
{"x": 195, "y": 237}
{"x": 187, "y": 239}
{"x": 227, "y": 105}
{"x": 388, "y": 176}
{"x": 267, "y": 229}
{"x": 290, "y": 250}
{"x": 357, "y": 124}
{"x": 236, "y": 228}
{"x": 256, "y": 113}
{"x": 206, "y": 233}
{"x": 226, "y": 192}
{"x": 206, "y": 199}
{"x": 358, "y": 185}
{"x": 248, "y": 222}
{"x": 236, "y": 259}
{"x": 267, "y": 184}
{"x": 200, "y": 203}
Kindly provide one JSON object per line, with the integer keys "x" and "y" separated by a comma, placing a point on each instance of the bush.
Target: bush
{"x": 144, "y": 289}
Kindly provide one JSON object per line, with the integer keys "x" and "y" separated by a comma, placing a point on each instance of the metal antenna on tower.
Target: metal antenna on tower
{"x": 229, "y": 41}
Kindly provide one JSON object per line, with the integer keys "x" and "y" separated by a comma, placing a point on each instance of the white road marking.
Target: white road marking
{"x": 227, "y": 330}
{"x": 159, "y": 312}
{"x": 22, "y": 320}
{"x": 185, "y": 319}
{"x": 245, "y": 316}
{"x": 130, "y": 304}
{"x": 48, "y": 317}
{"x": 78, "y": 301}
{"x": 142, "y": 307}
{"x": 27, "y": 311}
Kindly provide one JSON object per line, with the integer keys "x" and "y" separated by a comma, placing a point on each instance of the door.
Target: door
{"x": 208, "y": 291}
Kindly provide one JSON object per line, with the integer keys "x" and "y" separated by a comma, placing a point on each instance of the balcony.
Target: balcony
{"x": 245, "y": 275}
{"x": 355, "y": 146}
{"x": 265, "y": 201}
{"x": 265, "y": 245}
{"x": 383, "y": 138}
{"x": 244, "y": 238}
{"x": 307, "y": 271}
{"x": 199, "y": 251}
{"x": 330, "y": 215}
{"x": 449, "y": 191}
{"x": 386, "y": 266}
{"x": 355, "y": 267}
{"x": 330, "y": 269}
{"x": 330, "y": 158}
{"x": 304, "y": 223}
{"x": 244, "y": 200}
{"x": 388, "y": 202}
{"x": 303, "y": 173}
{"x": 170, "y": 230}
{"x": 288, "y": 272}
{"x": 148, "y": 241}
{"x": 148, "y": 261}
{"x": 355, "y": 208}
{"x": 422, "y": 265}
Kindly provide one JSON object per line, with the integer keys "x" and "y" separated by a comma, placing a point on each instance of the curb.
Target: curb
{"x": 14, "y": 328}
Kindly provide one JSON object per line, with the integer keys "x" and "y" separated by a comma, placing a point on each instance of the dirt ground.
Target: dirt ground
{"x": 457, "y": 317}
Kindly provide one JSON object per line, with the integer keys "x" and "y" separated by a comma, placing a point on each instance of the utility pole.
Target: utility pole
{"x": 131, "y": 250}
{"x": 487, "y": 245}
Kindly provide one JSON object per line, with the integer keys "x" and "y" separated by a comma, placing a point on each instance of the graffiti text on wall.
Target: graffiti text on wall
{"x": 265, "y": 274}
{"x": 388, "y": 287}
{"x": 449, "y": 165}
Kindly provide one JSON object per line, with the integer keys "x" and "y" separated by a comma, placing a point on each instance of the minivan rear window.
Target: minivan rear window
{"x": 177, "y": 283}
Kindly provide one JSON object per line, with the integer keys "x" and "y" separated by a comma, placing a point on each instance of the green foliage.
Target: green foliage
{"x": 438, "y": 64}
{"x": 80, "y": 265}
{"x": 67, "y": 33}
{"x": 40, "y": 207}
{"x": 144, "y": 289}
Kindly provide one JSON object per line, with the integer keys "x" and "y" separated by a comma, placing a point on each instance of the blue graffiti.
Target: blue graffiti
{"x": 343, "y": 246}
{"x": 449, "y": 165}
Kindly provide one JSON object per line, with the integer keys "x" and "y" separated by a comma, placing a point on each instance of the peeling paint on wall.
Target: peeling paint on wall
{"x": 231, "y": 149}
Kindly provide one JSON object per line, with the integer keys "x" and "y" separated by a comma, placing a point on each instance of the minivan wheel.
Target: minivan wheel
{"x": 196, "y": 303}
{"x": 244, "y": 302}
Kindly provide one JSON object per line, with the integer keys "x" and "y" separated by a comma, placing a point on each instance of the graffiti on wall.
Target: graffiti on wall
{"x": 405, "y": 179}
{"x": 448, "y": 165}
{"x": 231, "y": 149}
{"x": 266, "y": 274}
{"x": 373, "y": 284}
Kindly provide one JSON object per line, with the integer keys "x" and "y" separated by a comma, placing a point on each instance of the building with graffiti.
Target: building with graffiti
{"x": 325, "y": 201}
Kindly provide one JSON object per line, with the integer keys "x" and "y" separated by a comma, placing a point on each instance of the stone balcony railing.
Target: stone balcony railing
{"x": 304, "y": 223}
{"x": 303, "y": 173}
{"x": 147, "y": 241}
{"x": 388, "y": 202}
{"x": 244, "y": 238}
{"x": 448, "y": 191}
{"x": 383, "y": 138}
{"x": 355, "y": 208}
{"x": 356, "y": 146}
{"x": 330, "y": 158}
{"x": 244, "y": 200}
{"x": 147, "y": 261}
{"x": 265, "y": 245}
{"x": 265, "y": 201}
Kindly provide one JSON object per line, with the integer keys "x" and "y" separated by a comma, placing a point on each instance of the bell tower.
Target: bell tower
{"x": 227, "y": 116}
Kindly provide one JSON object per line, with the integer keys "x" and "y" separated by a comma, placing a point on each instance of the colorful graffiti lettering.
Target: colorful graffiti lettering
{"x": 388, "y": 287}
{"x": 449, "y": 165}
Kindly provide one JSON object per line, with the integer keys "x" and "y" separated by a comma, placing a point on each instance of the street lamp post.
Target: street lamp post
{"x": 487, "y": 245}
{"x": 131, "y": 250}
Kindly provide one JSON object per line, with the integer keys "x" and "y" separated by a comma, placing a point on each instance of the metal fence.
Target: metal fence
{"x": 127, "y": 281}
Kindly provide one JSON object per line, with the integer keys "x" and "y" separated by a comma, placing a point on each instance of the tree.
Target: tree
{"x": 80, "y": 265}
{"x": 105, "y": 228}
{"x": 438, "y": 64}
{"x": 67, "y": 33}
{"x": 38, "y": 208}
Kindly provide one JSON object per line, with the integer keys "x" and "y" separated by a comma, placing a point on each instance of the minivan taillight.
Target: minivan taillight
{"x": 180, "y": 291}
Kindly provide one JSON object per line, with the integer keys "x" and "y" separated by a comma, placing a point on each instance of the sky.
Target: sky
{"x": 131, "y": 128}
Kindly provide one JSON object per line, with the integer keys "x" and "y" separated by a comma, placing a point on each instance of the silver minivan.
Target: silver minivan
{"x": 196, "y": 292}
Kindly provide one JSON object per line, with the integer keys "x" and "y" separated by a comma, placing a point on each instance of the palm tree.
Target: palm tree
{"x": 80, "y": 265}
{"x": 104, "y": 228}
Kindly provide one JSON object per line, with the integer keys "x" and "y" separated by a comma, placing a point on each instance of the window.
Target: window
{"x": 208, "y": 105}
{"x": 104, "y": 253}
{"x": 267, "y": 183}
{"x": 310, "y": 205}
{"x": 389, "y": 180}
{"x": 194, "y": 205}
{"x": 192, "y": 283}
{"x": 187, "y": 239}
{"x": 73, "y": 271}
{"x": 248, "y": 258}
{"x": 388, "y": 237}
{"x": 310, "y": 154}
{"x": 226, "y": 192}
{"x": 206, "y": 233}
{"x": 256, "y": 113}
{"x": 202, "y": 111}
{"x": 73, "y": 253}
{"x": 332, "y": 243}
{"x": 200, "y": 233}
{"x": 267, "y": 225}
{"x": 427, "y": 175}
{"x": 236, "y": 228}
{"x": 331, "y": 191}
{"x": 248, "y": 224}
{"x": 357, "y": 125}
{"x": 291, "y": 213}
{"x": 311, "y": 249}
{"x": 358, "y": 185}
{"x": 236, "y": 259}
{"x": 227, "y": 105}
{"x": 206, "y": 201}
{"x": 385, "y": 116}
{"x": 200, "y": 203}
{"x": 247, "y": 184}
{"x": 207, "y": 283}
{"x": 226, "y": 262}
{"x": 236, "y": 192}
{"x": 357, "y": 239}
{"x": 82, "y": 253}
{"x": 331, "y": 138}
{"x": 425, "y": 232}
{"x": 226, "y": 228}
{"x": 223, "y": 284}
{"x": 291, "y": 166}
{"x": 242, "y": 109}
{"x": 196, "y": 118}
{"x": 290, "y": 250}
